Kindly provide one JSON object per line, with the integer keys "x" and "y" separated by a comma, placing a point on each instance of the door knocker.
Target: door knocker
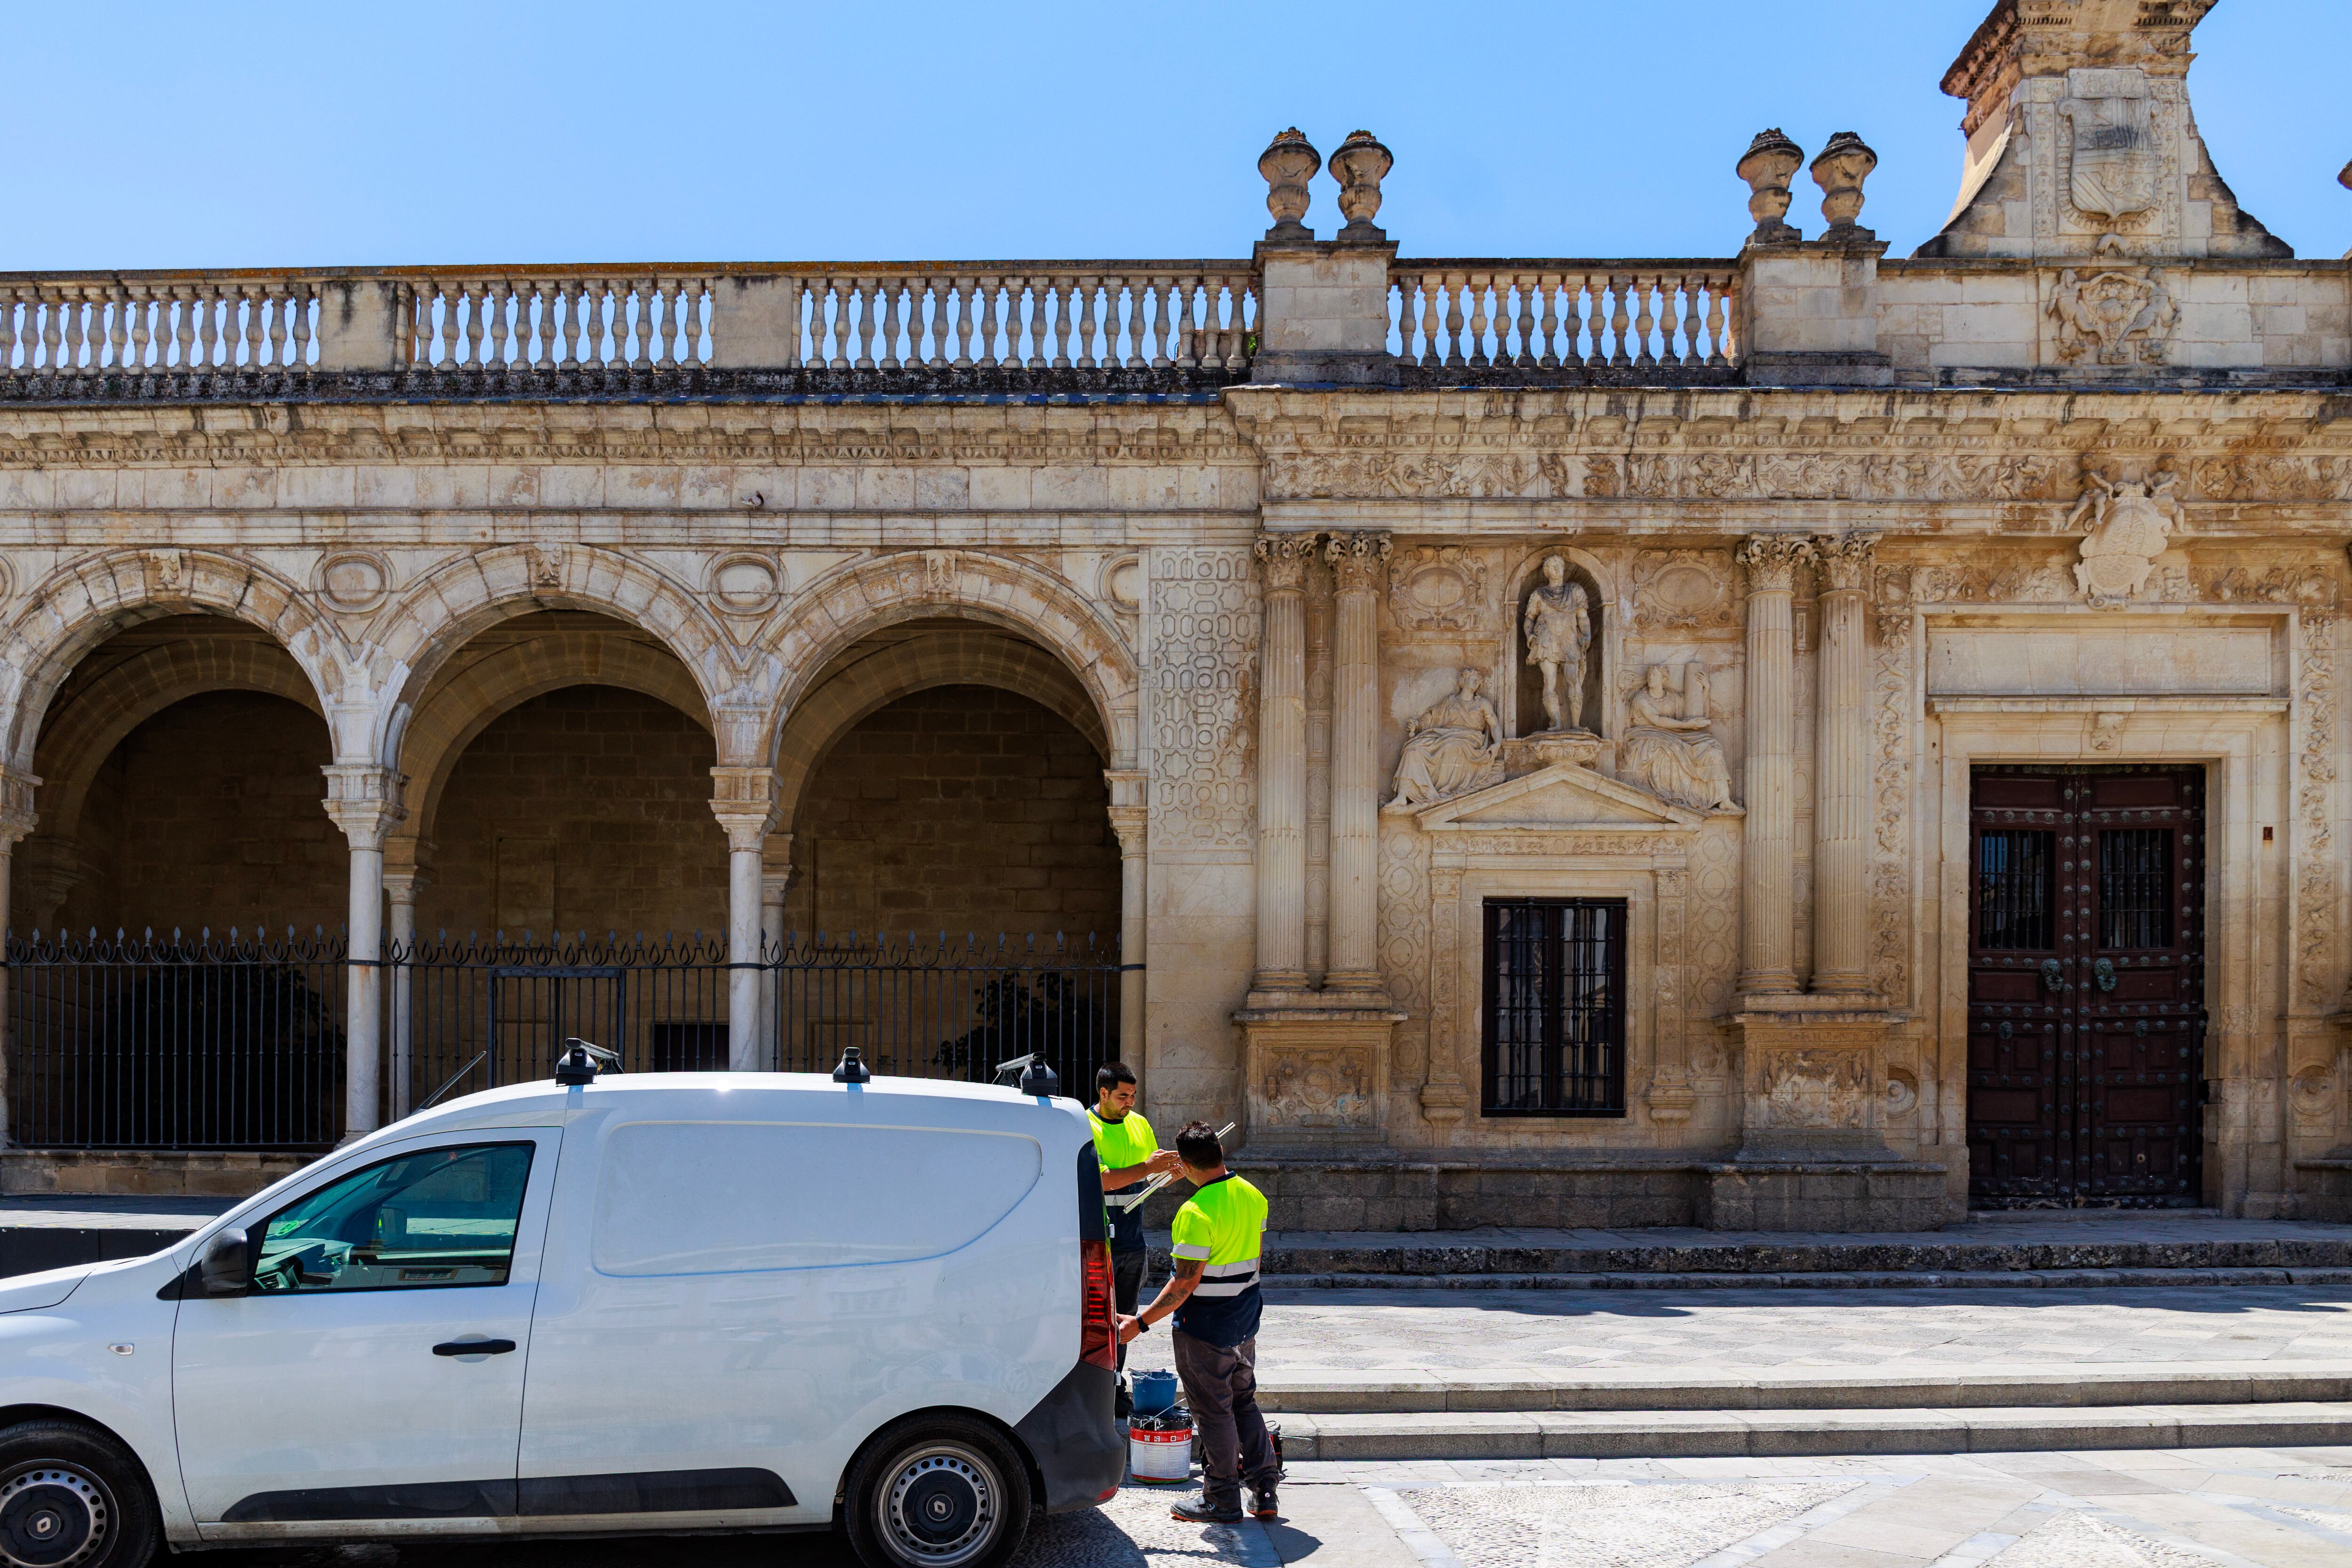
{"x": 2103, "y": 972}
{"x": 2050, "y": 979}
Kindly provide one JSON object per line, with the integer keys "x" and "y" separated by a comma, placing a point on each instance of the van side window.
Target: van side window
{"x": 439, "y": 1217}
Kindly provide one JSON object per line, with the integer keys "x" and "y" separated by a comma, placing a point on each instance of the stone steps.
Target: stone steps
{"x": 1845, "y": 1279}
{"x": 1312, "y": 1390}
{"x": 1737, "y": 1433}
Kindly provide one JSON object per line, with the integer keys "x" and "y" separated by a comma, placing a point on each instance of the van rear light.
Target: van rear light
{"x": 1098, "y": 1336}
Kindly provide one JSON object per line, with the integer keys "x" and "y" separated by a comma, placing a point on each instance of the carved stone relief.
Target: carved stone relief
{"x": 1683, "y": 590}
{"x": 1204, "y": 638}
{"x": 1452, "y": 747}
{"x": 1438, "y": 589}
{"x": 2131, "y": 521}
{"x": 2111, "y": 161}
{"x": 1669, "y": 749}
{"x": 2115, "y": 316}
{"x": 1317, "y": 1087}
{"x": 2316, "y": 945}
{"x": 353, "y": 582}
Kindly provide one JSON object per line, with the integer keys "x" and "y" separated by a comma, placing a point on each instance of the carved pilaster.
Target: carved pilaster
{"x": 1282, "y": 765}
{"x": 1357, "y": 563}
{"x": 1768, "y": 892}
{"x": 1842, "y": 771}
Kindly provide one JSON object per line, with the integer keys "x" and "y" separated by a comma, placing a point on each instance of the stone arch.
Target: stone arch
{"x": 88, "y": 600}
{"x": 67, "y": 756}
{"x": 419, "y": 629}
{"x": 845, "y": 607}
{"x": 454, "y": 712}
{"x": 873, "y": 673}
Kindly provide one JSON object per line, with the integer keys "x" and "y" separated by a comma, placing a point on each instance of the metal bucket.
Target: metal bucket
{"x": 1160, "y": 1458}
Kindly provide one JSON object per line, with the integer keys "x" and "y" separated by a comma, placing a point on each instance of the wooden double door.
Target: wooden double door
{"x": 2086, "y": 986}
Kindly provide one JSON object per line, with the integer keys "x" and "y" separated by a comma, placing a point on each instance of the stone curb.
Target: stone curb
{"x": 1731, "y": 1434}
{"x": 1854, "y": 1279}
{"x": 1312, "y": 1390}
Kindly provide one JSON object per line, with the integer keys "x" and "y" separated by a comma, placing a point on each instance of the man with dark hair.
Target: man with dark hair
{"x": 1130, "y": 1154}
{"x": 1214, "y": 1296}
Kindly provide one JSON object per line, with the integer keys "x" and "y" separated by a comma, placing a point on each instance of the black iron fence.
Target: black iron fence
{"x": 239, "y": 1042}
{"x": 231, "y": 1042}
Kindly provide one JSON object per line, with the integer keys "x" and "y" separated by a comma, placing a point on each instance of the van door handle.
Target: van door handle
{"x": 473, "y": 1347}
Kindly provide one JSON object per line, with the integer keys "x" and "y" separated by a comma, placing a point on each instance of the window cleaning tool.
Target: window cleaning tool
{"x": 1127, "y": 1201}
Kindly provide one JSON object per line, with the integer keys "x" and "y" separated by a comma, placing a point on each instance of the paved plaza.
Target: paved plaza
{"x": 1487, "y": 1331}
{"x": 2216, "y": 1508}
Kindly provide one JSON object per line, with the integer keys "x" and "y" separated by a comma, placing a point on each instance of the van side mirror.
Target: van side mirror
{"x": 226, "y": 1267}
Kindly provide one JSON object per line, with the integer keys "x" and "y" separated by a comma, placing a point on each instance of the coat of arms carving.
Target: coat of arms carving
{"x": 2114, "y": 312}
{"x": 2131, "y": 522}
{"x": 2112, "y": 172}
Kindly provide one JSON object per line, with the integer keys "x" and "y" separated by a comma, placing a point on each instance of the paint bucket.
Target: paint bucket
{"x": 1155, "y": 1392}
{"x": 1160, "y": 1451}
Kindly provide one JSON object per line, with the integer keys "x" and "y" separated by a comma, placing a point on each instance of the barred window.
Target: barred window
{"x": 1555, "y": 1008}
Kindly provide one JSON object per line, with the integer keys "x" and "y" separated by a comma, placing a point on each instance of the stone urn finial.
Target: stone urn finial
{"x": 1359, "y": 165}
{"x": 1840, "y": 171}
{"x": 1768, "y": 161}
{"x": 1288, "y": 162}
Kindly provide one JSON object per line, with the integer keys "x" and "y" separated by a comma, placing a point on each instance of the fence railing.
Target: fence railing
{"x": 145, "y": 1042}
{"x": 1037, "y": 317}
{"x": 1564, "y": 315}
{"x": 239, "y": 1042}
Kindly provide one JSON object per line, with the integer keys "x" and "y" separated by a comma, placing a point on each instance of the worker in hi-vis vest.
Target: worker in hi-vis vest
{"x": 1213, "y": 1296}
{"x": 1130, "y": 1155}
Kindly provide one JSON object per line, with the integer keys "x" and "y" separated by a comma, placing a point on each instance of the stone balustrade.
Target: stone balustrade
{"x": 1659, "y": 318}
{"x": 58, "y": 324}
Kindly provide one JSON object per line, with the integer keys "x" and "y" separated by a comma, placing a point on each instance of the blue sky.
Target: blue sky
{"x": 225, "y": 134}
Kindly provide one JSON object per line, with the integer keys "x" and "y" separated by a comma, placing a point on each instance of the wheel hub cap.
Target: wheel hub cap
{"x": 941, "y": 1507}
{"x": 51, "y": 1517}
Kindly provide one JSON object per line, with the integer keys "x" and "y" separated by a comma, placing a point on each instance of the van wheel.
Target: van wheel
{"x": 71, "y": 1497}
{"x": 940, "y": 1493}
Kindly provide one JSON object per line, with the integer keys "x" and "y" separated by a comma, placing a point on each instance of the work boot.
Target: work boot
{"x": 1201, "y": 1511}
{"x": 1263, "y": 1504}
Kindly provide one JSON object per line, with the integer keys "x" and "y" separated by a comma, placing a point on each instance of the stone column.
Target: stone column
{"x": 17, "y": 819}
{"x": 364, "y": 799}
{"x": 1767, "y": 893}
{"x": 744, "y": 802}
{"x": 1130, "y": 819}
{"x": 1842, "y": 772}
{"x": 1282, "y": 767}
{"x": 1358, "y": 561}
{"x": 775, "y": 881}
{"x": 400, "y": 886}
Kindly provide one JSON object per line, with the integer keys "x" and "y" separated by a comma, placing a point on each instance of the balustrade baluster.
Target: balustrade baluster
{"x": 1023, "y": 323}
{"x": 891, "y": 356}
{"x": 90, "y": 330}
{"x": 581, "y": 307}
{"x": 244, "y": 317}
{"x": 1684, "y": 336}
{"x": 8, "y": 298}
{"x": 1089, "y": 316}
{"x": 1185, "y": 347}
{"x": 1454, "y": 345}
{"x": 1721, "y": 349}
{"x": 477, "y": 321}
{"x": 182, "y": 353}
{"x": 1481, "y": 320}
{"x": 1621, "y": 321}
{"x": 963, "y": 295}
{"x": 220, "y": 313}
{"x": 280, "y": 325}
{"x": 1162, "y": 300}
{"x": 661, "y": 325}
{"x": 116, "y": 327}
{"x": 1646, "y": 320}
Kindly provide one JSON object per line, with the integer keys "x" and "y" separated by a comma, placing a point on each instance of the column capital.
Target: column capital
{"x": 1772, "y": 560}
{"x": 1845, "y": 562}
{"x": 365, "y": 801}
{"x": 744, "y": 802}
{"x": 1283, "y": 558}
{"x": 403, "y": 883}
{"x": 18, "y": 817}
{"x": 1358, "y": 560}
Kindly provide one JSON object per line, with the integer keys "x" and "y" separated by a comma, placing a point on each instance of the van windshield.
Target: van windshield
{"x": 443, "y": 1217}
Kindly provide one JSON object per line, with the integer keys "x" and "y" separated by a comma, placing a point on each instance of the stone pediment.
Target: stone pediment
{"x": 1559, "y": 797}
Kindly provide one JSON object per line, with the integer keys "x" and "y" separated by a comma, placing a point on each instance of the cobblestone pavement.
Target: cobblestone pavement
{"x": 2222, "y": 1507}
{"x": 1372, "y": 1331}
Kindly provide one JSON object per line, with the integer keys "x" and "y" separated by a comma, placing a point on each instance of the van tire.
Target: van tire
{"x": 941, "y": 1491}
{"x": 72, "y": 1497}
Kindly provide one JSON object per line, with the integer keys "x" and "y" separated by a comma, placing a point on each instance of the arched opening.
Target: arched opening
{"x": 181, "y": 809}
{"x": 943, "y": 787}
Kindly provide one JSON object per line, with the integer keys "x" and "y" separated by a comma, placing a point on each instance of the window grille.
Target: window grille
{"x": 1555, "y": 1008}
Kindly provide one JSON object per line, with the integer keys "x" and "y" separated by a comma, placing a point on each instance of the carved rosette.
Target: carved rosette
{"x": 1283, "y": 558}
{"x": 1356, "y": 561}
{"x": 1772, "y": 560}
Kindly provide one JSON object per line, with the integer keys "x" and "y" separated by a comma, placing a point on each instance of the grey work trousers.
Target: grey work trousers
{"x": 1221, "y": 1386}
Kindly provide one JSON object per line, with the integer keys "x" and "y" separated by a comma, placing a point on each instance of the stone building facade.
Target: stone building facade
{"x": 1808, "y": 739}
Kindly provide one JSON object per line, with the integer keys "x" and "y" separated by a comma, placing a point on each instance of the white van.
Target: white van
{"x": 667, "y": 1303}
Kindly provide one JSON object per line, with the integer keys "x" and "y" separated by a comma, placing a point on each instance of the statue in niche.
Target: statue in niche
{"x": 1668, "y": 750}
{"x": 1451, "y": 748}
{"x": 1558, "y": 631}
{"x": 2131, "y": 522}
